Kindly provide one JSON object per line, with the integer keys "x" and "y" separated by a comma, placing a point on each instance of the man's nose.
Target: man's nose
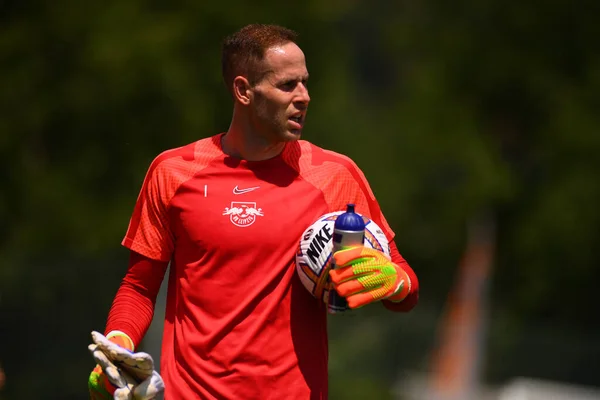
{"x": 302, "y": 97}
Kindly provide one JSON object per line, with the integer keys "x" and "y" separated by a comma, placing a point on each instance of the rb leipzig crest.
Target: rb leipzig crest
{"x": 243, "y": 213}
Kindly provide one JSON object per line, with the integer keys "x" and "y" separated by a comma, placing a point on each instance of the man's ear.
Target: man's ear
{"x": 242, "y": 90}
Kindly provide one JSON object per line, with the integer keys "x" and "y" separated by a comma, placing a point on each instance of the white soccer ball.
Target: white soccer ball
{"x": 313, "y": 258}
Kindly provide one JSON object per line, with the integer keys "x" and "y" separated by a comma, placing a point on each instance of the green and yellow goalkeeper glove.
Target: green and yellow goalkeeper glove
{"x": 363, "y": 275}
{"x": 120, "y": 373}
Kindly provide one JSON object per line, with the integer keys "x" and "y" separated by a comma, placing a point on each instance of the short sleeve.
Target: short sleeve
{"x": 342, "y": 182}
{"x": 351, "y": 186}
{"x": 149, "y": 232}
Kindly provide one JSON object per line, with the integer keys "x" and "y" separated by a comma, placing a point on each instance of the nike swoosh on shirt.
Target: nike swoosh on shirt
{"x": 236, "y": 190}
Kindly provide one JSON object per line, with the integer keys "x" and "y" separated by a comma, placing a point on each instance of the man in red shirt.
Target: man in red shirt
{"x": 227, "y": 212}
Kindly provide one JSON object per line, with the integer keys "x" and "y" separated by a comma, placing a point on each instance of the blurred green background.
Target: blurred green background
{"x": 452, "y": 109}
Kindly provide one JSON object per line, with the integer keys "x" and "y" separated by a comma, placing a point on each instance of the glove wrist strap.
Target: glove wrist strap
{"x": 403, "y": 288}
{"x": 121, "y": 339}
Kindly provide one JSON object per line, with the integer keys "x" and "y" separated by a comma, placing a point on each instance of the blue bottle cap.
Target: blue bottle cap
{"x": 350, "y": 220}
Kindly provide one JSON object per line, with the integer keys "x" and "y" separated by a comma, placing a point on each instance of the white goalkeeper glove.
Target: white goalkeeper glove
{"x": 132, "y": 374}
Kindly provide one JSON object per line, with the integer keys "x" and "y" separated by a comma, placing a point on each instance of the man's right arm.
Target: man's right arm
{"x": 129, "y": 318}
{"x": 133, "y": 307}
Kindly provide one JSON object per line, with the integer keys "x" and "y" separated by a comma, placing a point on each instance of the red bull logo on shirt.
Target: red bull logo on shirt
{"x": 243, "y": 213}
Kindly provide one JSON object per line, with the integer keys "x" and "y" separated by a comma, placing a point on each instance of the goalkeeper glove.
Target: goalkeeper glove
{"x": 99, "y": 384}
{"x": 363, "y": 275}
{"x": 120, "y": 373}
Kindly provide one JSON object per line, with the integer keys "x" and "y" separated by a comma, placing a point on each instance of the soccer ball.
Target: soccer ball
{"x": 313, "y": 258}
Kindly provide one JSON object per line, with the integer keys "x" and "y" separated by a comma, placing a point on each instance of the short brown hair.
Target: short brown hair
{"x": 243, "y": 51}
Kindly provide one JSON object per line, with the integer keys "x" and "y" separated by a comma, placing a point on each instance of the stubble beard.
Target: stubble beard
{"x": 275, "y": 129}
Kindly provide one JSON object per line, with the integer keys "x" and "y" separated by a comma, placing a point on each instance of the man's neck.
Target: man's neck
{"x": 248, "y": 145}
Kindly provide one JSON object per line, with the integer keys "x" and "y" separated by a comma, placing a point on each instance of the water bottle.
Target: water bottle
{"x": 349, "y": 230}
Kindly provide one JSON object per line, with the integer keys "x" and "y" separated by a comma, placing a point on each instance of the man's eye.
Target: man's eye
{"x": 288, "y": 85}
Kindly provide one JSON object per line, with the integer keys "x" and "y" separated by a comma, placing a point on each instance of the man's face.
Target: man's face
{"x": 280, "y": 99}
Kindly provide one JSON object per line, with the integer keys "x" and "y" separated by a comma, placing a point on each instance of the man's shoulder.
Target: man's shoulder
{"x": 198, "y": 153}
{"x": 317, "y": 156}
{"x": 328, "y": 170}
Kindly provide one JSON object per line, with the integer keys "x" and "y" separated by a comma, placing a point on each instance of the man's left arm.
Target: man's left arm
{"x": 369, "y": 275}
